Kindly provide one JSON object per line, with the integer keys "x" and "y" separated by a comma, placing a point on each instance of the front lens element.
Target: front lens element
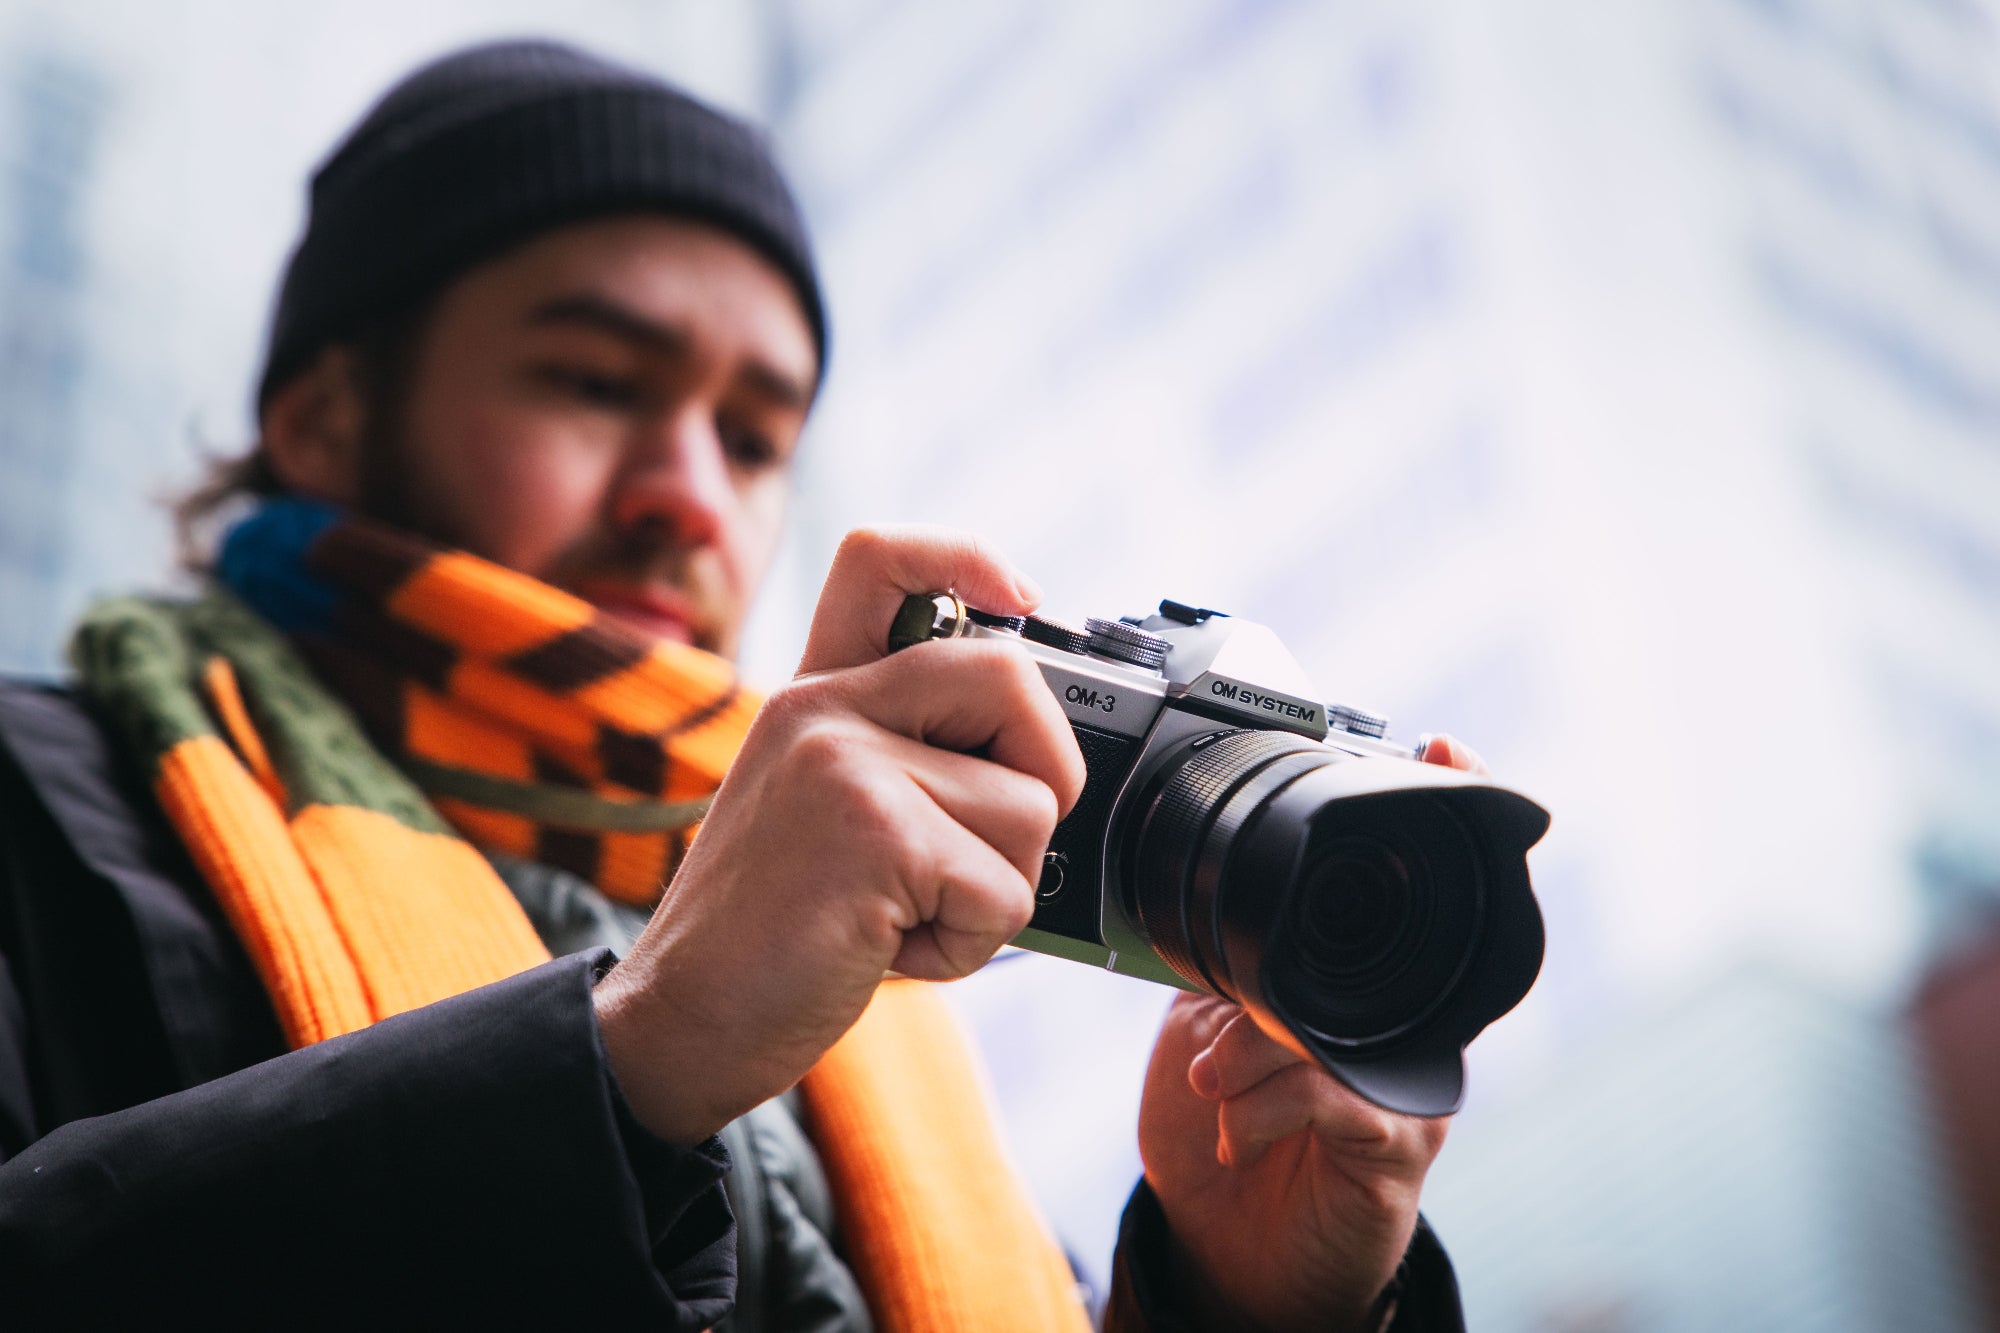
{"x": 1355, "y": 911}
{"x": 1382, "y": 922}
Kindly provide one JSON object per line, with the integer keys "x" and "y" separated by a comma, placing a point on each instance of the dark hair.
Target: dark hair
{"x": 384, "y": 361}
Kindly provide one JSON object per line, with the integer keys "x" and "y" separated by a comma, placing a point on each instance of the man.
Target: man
{"x": 274, "y": 1044}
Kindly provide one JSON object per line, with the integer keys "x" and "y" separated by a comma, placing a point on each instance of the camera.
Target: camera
{"x": 1374, "y": 916}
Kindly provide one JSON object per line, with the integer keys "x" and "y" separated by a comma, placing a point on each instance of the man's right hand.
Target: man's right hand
{"x": 886, "y": 813}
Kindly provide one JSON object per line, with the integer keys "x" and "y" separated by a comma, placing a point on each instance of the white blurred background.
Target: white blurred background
{"x": 1616, "y": 387}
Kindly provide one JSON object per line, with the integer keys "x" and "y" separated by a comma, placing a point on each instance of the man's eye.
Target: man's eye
{"x": 751, "y": 448}
{"x": 617, "y": 392}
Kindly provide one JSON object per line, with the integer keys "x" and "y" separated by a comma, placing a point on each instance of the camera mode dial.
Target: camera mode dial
{"x": 1356, "y": 721}
{"x": 1126, "y": 643}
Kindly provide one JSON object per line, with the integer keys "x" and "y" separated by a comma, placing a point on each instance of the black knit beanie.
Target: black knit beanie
{"x": 485, "y": 148}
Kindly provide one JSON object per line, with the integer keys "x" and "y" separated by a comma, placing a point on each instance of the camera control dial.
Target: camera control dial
{"x": 1126, "y": 643}
{"x": 1005, "y": 624}
{"x": 1055, "y": 634}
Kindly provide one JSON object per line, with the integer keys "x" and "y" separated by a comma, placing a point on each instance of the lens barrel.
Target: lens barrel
{"x": 1198, "y": 806}
{"x": 1376, "y": 912}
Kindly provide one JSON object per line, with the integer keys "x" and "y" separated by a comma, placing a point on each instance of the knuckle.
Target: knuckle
{"x": 1015, "y": 676}
{"x": 1040, "y": 808}
{"x": 869, "y": 808}
{"x": 861, "y": 546}
{"x": 1020, "y": 909}
{"x": 899, "y": 551}
{"x": 984, "y": 668}
{"x": 793, "y": 703}
{"x": 1075, "y": 772}
{"x": 1009, "y": 900}
{"x": 1369, "y": 1129}
{"x": 1000, "y": 672}
{"x": 1204, "y": 1015}
{"x": 824, "y": 751}
{"x": 978, "y": 551}
{"x": 817, "y": 696}
{"x": 990, "y": 664}
{"x": 1026, "y": 821}
{"x": 1021, "y": 673}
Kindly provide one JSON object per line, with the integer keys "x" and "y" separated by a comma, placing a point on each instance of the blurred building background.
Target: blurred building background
{"x": 1616, "y": 387}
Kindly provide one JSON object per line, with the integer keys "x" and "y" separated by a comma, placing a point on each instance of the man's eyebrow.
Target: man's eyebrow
{"x": 621, "y": 321}
{"x": 602, "y": 313}
{"x": 782, "y": 389}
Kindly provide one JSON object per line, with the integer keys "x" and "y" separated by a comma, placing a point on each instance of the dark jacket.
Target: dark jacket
{"x": 471, "y": 1161}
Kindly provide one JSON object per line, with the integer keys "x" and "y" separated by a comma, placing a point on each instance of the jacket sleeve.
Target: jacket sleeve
{"x": 1422, "y": 1299}
{"x": 470, "y": 1161}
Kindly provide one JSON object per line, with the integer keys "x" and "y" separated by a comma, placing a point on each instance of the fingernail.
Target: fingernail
{"x": 1029, "y": 590}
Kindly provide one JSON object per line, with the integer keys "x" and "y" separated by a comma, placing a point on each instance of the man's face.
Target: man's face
{"x": 611, "y": 408}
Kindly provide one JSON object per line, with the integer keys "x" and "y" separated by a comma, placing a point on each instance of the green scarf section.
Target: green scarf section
{"x": 143, "y": 663}
{"x": 353, "y": 898}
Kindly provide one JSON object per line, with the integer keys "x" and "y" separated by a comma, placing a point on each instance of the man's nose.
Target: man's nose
{"x": 675, "y": 475}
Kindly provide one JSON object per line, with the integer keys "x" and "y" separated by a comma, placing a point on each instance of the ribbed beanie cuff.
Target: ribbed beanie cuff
{"x": 486, "y": 148}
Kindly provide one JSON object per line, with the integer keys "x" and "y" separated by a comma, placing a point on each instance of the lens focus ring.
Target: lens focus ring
{"x": 1190, "y": 797}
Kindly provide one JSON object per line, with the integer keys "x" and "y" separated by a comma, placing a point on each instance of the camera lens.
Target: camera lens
{"x": 1356, "y": 917}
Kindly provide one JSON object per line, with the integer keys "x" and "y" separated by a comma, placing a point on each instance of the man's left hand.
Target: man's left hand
{"x": 1290, "y": 1197}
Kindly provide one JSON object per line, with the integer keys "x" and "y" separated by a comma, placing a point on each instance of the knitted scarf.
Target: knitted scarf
{"x": 498, "y": 712}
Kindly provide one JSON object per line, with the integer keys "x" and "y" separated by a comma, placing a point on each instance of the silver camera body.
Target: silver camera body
{"x": 1372, "y": 915}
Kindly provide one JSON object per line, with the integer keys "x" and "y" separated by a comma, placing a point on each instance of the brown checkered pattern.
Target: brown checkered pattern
{"x": 461, "y": 664}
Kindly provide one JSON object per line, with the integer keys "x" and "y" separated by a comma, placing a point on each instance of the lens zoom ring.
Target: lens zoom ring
{"x": 1171, "y": 837}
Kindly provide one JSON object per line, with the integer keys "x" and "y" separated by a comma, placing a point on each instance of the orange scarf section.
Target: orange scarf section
{"x": 938, "y": 1229}
{"x": 340, "y": 909}
{"x": 352, "y": 910}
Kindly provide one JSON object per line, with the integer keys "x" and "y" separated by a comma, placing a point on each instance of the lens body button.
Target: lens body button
{"x": 1055, "y": 869}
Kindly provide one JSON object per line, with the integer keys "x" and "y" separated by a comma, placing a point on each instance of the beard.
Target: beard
{"x": 394, "y": 489}
{"x": 389, "y": 492}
